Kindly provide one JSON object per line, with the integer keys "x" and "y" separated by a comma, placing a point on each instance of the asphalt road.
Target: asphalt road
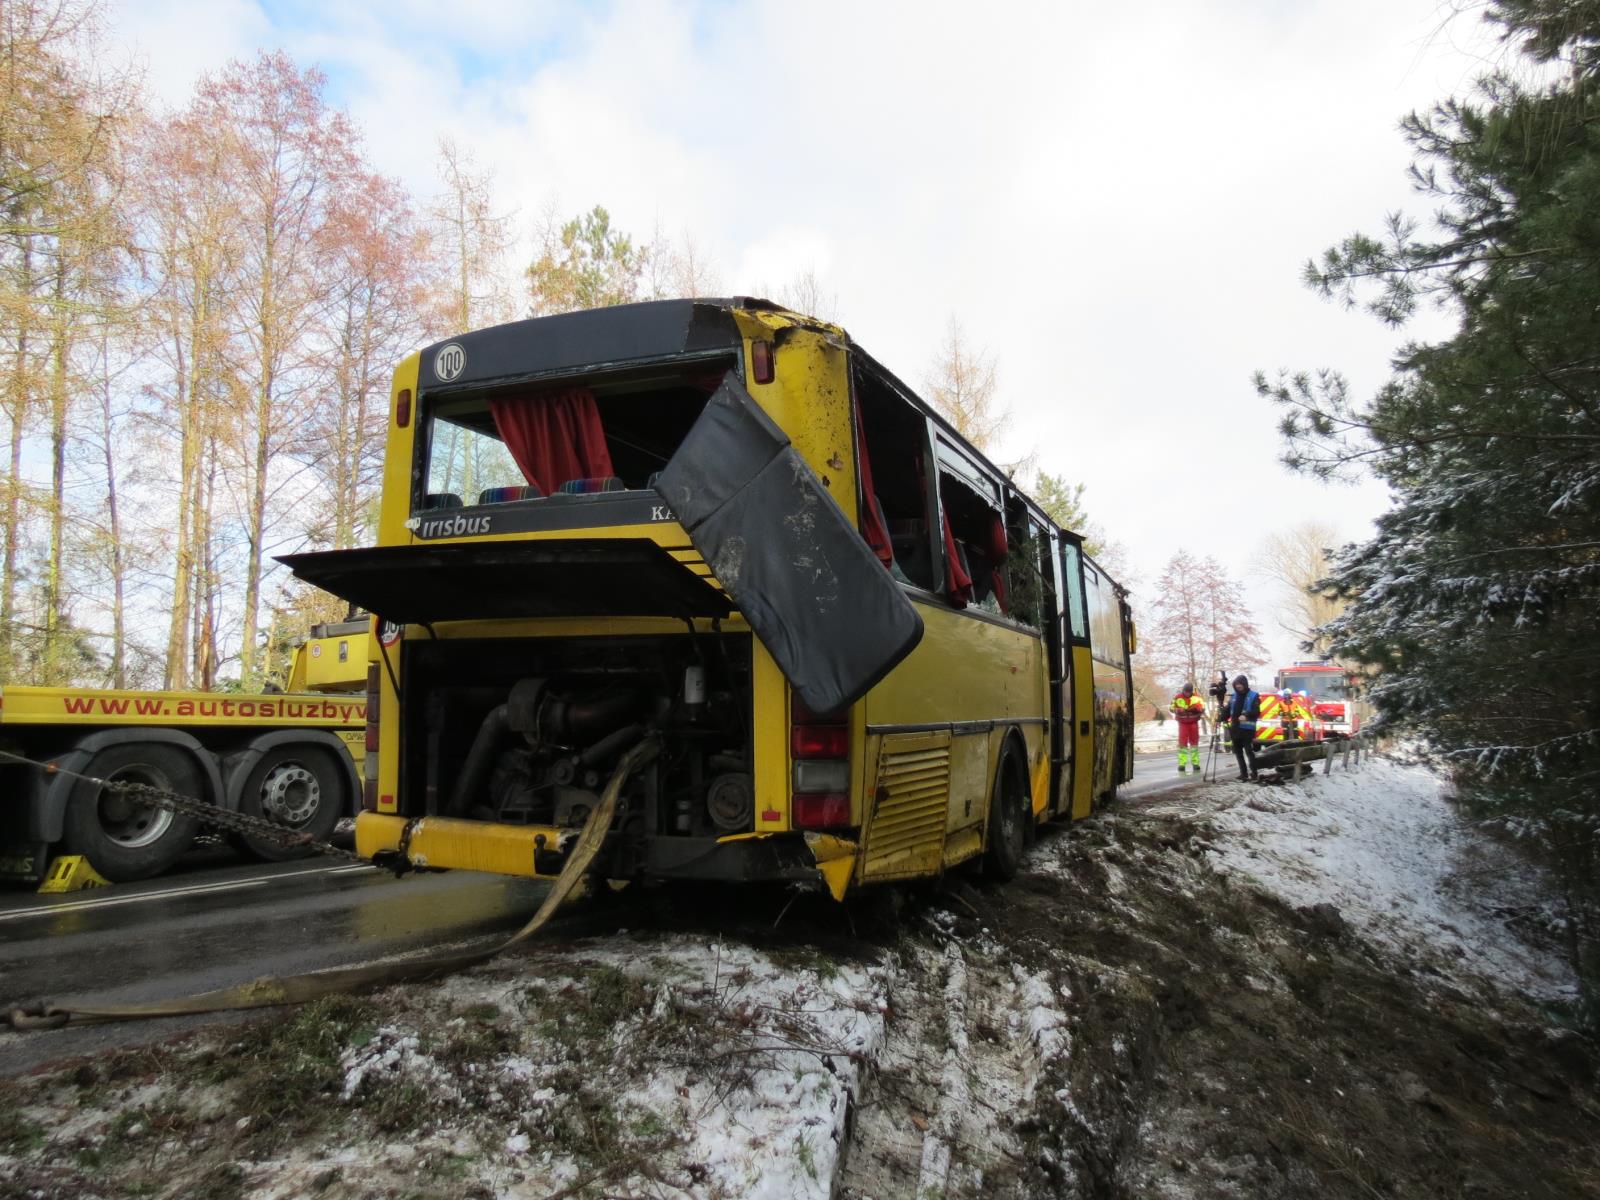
{"x": 218, "y": 922}
{"x": 1157, "y": 772}
{"x": 223, "y": 924}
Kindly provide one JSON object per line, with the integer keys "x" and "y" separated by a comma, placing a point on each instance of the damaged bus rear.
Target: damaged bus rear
{"x": 642, "y": 546}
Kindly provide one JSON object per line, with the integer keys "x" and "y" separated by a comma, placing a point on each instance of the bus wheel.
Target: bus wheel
{"x": 298, "y": 787}
{"x": 123, "y": 839}
{"x": 1008, "y": 821}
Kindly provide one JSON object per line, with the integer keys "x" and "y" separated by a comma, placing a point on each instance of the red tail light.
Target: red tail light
{"x": 369, "y": 765}
{"x": 820, "y": 784}
{"x": 402, "y": 408}
{"x": 763, "y": 366}
{"x": 829, "y": 810}
{"x": 820, "y": 741}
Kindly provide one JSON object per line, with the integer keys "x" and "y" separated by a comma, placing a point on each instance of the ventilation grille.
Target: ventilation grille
{"x": 905, "y": 833}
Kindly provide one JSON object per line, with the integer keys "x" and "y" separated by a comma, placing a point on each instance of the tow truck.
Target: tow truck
{"x": 293, "y": 757}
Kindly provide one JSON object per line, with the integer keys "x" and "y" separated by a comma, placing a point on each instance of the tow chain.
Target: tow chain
{"x": 189, "y": 806}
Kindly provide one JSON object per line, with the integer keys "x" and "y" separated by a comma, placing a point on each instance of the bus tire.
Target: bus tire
{"x": 297, "y": 786}
{"x": 123, "y": 839}
{"x": 1008, "y": 820}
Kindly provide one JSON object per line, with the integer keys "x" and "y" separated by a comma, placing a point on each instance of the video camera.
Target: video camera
{"x": 1219, "y": 689}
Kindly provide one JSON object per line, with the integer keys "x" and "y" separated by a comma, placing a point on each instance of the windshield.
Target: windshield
{"x": 1319, "y": 685}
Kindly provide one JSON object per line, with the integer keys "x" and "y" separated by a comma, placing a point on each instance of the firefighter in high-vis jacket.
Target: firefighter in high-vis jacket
{"x": 1188, "y": 707}
{"x": 1285, "y": 717}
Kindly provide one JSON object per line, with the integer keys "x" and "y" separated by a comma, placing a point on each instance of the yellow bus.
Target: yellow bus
{"x": 856, "y": 651}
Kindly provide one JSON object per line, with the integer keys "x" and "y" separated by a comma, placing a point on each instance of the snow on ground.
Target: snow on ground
{"x": 990, "y": 1040}
{"x": 1384, "y": 846}
{"x": 1155, "y": 735}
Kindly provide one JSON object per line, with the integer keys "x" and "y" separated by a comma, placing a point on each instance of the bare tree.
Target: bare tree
{"x": 291, "y": 159}
{"x": 1202, "y": 623}
{"x": 58, "y": 149}
{"x": 379, "y": 274}
{"x": 1297, "y": 560}
{"x": 964, "y": 385}
{"x": 473, "y": 238}
{"x": 678, "y": 268}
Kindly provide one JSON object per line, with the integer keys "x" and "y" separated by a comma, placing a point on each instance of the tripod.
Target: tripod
{"x": 1217, "y": 745}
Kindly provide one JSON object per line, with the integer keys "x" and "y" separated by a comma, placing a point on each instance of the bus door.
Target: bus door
{"x": 1078, "y": 703}
{"x": 1053, "y": 622}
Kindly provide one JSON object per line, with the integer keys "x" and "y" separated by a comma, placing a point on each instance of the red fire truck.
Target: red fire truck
{"x": 1327, "y": 694}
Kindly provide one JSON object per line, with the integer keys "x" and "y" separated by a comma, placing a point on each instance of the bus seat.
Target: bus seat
{"x": 586, "y": 487}
{"x": 503, "y": 495}
{"x": 441, "y": 500}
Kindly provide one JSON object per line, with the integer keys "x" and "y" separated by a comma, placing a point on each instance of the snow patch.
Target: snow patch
{"x": 1401, "y": 864}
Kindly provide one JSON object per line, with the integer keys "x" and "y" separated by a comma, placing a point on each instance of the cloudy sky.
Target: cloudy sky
{"x": 1115, "y": 204}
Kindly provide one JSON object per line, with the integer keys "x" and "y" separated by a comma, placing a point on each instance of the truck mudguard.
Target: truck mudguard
{"x": 48, "y": 821}
{"x": 833, "y": 619}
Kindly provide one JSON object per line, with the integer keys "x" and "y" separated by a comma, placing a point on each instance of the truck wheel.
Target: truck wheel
{"x": 123, "y": 839}
{"x": 298, "y": 787}
{"x": 1008, "y": 820}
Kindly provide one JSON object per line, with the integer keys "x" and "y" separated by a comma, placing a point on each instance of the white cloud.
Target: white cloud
{"x": 1116, "y": 202}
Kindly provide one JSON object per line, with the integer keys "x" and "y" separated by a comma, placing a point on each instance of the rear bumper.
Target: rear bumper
{"x": 539, "y": 851}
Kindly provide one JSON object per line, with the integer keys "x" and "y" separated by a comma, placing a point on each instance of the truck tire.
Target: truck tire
{"x": 298, "y": 787}
{"x": 123, "y": 839}
{"x": 1008, "y": 819}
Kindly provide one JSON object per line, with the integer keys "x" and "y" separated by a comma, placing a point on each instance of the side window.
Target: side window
{"x": 892, "y": 474}
{"x": 1027, "y": 587}
{"x": 1105, "y": 618}
{"x": 975, "y": 538}
{"x": 1072, "y": 576}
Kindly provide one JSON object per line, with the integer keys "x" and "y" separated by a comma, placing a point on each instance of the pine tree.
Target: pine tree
{"x": 1479, "y": 595}
{"x": 585, "y": 263}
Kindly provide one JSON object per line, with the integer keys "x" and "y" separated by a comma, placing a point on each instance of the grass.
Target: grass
{"x": 18, "y": 1135}
{"x": 805, "y": 1156}
{"x": 287, "y": 1074}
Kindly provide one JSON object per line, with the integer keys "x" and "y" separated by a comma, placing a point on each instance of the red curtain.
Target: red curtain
{"x": 555, "y": 436}
{"x": 873, "y": 527}
{"x": 998, "y": 549}
{"x": 957, "y": 583}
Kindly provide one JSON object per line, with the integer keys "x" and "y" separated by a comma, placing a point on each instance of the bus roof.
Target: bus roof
{"x": 627, "y": 334}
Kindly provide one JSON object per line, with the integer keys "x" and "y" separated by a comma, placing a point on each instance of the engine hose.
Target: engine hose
{"x": 611, "y": 744}
{"x": 480, "y": 760}
{"x": 271, "y": 991}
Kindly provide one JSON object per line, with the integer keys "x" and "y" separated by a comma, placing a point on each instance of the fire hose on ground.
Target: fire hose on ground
{"x": 272, "y": 991}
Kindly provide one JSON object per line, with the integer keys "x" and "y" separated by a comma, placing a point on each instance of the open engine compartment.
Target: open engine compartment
{"x": 526, "y": 731}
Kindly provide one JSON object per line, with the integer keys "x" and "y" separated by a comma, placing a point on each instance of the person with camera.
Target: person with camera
{"x": 1242, "y": 714}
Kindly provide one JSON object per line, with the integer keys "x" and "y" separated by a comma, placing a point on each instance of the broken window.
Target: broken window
{"x": 893, "y": 437}
{"x": 598, "y": 434}
{"x": 977, "y": 545}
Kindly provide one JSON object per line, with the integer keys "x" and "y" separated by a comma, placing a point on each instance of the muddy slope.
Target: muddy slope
{"x": 1204, "y": 1039}
{"x": 1131, "y": 1017}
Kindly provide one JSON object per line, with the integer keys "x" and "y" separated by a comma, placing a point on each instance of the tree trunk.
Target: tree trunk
{"x": 20, "y": 404}
{"x": 119, "y": 566}
{"x": 205, "y": 614}
{"x": 176, "y": 674}
{"x": 56, "y": 669}
{"x": 257, "y": 519}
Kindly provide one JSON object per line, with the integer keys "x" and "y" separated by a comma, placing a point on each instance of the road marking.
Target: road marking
{"x": 195, "y": 889}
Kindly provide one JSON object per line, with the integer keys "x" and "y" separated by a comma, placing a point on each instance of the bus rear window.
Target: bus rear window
{"x": 573, "y": 438}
